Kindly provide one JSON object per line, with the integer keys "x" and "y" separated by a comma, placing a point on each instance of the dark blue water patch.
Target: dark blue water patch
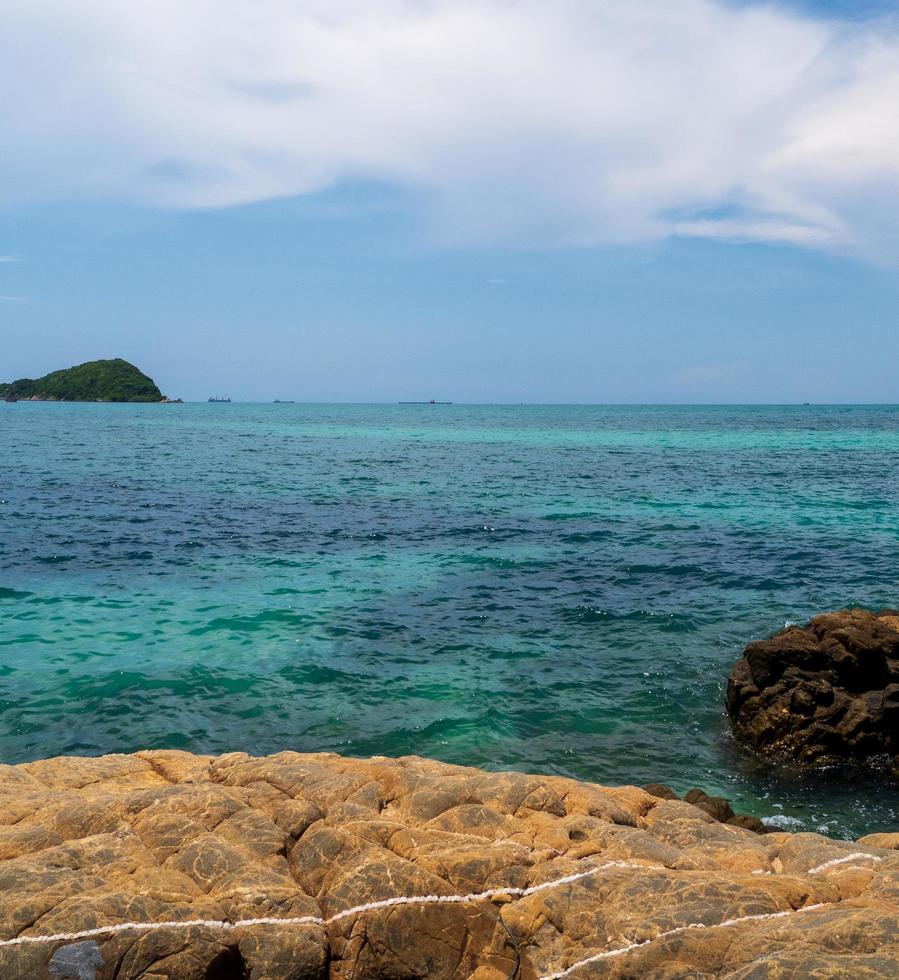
{"x": 14, "y": 594}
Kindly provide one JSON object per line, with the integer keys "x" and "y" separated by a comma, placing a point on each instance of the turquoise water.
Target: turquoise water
{"x": 557, "y": 589}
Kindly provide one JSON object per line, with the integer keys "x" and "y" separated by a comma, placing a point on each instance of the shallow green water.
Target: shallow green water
{"x": 556, "y": 589}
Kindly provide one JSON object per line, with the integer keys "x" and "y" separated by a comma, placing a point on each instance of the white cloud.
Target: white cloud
{"x": 9, "y": 258}
{"x": 575, "y": 121}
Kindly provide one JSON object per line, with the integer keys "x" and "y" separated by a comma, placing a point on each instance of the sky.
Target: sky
{"x": 468, "y": 200}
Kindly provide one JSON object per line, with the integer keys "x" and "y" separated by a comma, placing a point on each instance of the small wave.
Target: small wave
{"x": 586, "y": 537}
{"x": 673, "y": 571}
{"x": 783, "y": 822}
{"x": 585, "y": 613}
{"x": 566, "y": 515}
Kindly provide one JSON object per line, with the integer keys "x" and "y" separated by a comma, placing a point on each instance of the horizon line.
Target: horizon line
{"x": 497, "y": 404}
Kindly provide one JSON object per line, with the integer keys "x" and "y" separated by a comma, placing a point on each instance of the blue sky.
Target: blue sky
{"x": 846, "y": 9}
{"x": 626, "y": 206}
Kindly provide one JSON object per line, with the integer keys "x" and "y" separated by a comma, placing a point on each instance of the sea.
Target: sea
{"x": 556, "y": 589}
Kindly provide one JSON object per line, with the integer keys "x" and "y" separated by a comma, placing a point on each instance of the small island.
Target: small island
{"x": 113, "y": 380}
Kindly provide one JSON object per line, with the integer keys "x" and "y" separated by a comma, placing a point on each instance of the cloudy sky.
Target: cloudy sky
{"x": 478, "y": 200}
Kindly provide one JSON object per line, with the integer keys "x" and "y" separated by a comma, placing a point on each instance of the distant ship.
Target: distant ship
{"x": 279, "y": 401}
{"x": 10, "y": 398}
{"x": 431, "y": 402}
{"x": 219, "y": 398}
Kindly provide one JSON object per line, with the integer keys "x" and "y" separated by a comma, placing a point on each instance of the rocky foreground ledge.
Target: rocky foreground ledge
{"x": 404, "y": 868}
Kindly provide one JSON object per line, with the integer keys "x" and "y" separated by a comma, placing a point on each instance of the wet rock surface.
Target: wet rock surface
{"x": 823, "y": 694}
{"x": 715, "y": 806}
{"x": 574, "y": 872}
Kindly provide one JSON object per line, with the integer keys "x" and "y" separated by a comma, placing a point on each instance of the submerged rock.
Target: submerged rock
{"x": 823, "y": 694}
{"x": 316, "y": 866}
{"x": 715, "y": 806}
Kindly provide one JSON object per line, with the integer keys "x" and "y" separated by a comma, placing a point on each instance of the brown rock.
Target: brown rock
{"x": 823, "y": 694}
{"x": 660, "y": 790}
{"x": 890, "y": 841}
{"x": 572, "y": 871}
{"x": 716, "y": 807}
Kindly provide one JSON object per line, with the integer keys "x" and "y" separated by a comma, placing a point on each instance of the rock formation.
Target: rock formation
{"x": 140, "y": 866}
{"x": 715, "y": 806}
{"x": 822, "y": 694}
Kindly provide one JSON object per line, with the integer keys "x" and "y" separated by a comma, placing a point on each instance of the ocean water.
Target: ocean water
{"x": 555, "y": 589}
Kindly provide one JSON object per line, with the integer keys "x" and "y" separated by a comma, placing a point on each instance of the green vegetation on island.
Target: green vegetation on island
{"x": 112, "y": 380}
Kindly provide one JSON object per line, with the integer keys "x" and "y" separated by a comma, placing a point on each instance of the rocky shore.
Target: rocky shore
{"x": 165, "y": 864}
